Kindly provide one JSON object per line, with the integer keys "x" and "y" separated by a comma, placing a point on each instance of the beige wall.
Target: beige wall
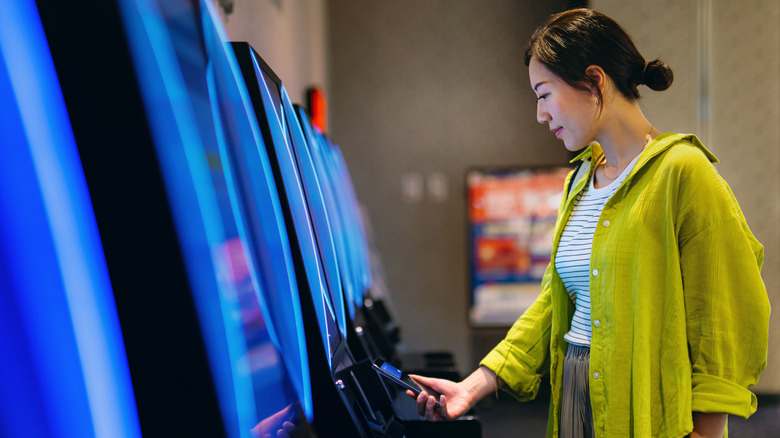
{"x": 741, "y": 61}
{"x": 290, "y": 35}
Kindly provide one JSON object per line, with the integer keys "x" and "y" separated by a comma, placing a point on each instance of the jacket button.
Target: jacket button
{"x": 606, "y": 222}
{"x": 597, "y": 323}
{"x": 595, "y": 272}
{"x": 596, "y": 375}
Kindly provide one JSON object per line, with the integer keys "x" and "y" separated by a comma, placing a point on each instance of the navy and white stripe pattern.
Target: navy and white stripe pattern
{"x": 572, "y": 261}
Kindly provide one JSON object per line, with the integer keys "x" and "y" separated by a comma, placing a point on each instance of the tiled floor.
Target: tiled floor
{"x": 505, "y": 417}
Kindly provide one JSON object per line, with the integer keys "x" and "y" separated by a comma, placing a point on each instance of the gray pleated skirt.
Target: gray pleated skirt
{"x": 576, "y": 412}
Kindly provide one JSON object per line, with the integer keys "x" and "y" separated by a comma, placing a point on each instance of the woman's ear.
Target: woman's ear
{"x": 598, "y": 78}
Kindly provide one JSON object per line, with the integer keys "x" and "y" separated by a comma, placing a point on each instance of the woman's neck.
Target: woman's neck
{"x": 623, "y": 135}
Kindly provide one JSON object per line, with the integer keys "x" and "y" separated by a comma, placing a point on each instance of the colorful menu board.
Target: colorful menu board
{"x": 511, "y": 214}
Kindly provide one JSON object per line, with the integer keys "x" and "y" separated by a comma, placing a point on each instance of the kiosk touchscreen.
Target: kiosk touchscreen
{"x": 351, "y": 210}
{"x": 153, "y": 108}
{"x": 346, "y": 393}
{"x": 313, "y": 184}
{"x": 64, "y": 370}
{"x": 338, "y": 219}
{"x": 266, "y": 92}
{"x": 258, "y": 391}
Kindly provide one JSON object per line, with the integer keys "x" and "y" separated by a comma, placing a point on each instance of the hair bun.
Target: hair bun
{"x": 657, "y": 75}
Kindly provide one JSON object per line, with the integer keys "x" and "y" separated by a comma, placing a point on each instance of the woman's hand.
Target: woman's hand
{"x": 455, "y": 399}
{"x": 278, "y": 425}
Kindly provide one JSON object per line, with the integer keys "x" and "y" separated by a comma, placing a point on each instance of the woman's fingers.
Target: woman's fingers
{"x": 443, "y": 408}
{"x": 431, "y": 413}
{"x": 427, "y": 381}
{"x": 422, "y": 401}
{"x": 427, "y": 405}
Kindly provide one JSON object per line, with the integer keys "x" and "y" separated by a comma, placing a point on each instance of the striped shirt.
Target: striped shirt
{"x": 572, "y": 261}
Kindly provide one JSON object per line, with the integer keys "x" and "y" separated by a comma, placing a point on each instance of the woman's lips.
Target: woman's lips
{"x": 557, "y": 132}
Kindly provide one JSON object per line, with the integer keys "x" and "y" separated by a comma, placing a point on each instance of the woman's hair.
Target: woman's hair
{"x": 573, "y": 40}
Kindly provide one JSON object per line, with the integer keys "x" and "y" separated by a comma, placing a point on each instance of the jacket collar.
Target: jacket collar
{"x": 655, "y": 147}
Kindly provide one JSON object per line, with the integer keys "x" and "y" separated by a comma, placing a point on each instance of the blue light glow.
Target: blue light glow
{"x": 338, "y": 219}
{"x": 268, "y": 240}
{"x": 300, "y": 214}
{"x": 242, "y": 382}
{"x": 317, "y": 211}
{"x": 80, "y": 272}
{"x": 187, "y": 180}
{"x": 194, "y": 130}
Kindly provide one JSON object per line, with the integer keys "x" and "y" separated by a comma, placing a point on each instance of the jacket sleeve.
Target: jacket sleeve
{"x": 726, "y": 303}
{"x": 522, "y": 357}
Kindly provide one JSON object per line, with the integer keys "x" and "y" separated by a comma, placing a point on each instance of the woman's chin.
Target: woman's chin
{"x": 574, "y": 146}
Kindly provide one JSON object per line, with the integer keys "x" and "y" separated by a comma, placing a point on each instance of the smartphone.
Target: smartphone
{"x": 402, "y": 379}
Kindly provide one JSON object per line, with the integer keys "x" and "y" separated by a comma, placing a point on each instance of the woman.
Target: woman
{"x": 652, "y": 318}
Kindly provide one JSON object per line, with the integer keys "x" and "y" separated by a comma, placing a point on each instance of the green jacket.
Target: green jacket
{"x": 680, "y": 313}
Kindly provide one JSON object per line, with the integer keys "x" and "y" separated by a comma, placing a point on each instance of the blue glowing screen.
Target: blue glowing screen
{"x": 64, "y": 370}
{"x": 338, "y": 220}
{"x": 198, "y": 113}
{"x": 318, "y": 210}
{"x": 283, "y": 157}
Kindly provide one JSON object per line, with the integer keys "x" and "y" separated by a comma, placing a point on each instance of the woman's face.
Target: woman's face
{"x": 570, "y": 113}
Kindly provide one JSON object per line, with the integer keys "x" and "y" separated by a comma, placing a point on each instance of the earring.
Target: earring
{"x": 597, "y": 101}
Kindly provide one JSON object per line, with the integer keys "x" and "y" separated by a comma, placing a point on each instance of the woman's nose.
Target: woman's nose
{"x": 542, "y": 116}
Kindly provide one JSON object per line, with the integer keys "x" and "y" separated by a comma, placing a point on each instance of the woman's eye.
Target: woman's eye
{"x": 542, "y": 96}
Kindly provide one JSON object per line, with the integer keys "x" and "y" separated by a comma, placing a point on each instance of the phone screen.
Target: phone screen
{"x": 401, "y": 378}
{"x": 400, "y": 375}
